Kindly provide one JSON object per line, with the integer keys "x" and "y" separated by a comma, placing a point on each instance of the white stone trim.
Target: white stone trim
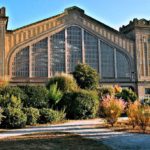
{"x": 30, "y": 61}
{"x": 49, "y": 55}
{"x": 83, "y": 46}
{"x": 66, "y": 52}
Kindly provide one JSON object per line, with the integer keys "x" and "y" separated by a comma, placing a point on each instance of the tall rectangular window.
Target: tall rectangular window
{"x": 107, "y": 61}
{"x": 57, "y": 54}
{"x": 74, "y": 47}
{"x": 146, "y": 59}
{"x": 20, "y": 66}
{"x": 40, "y": 59}
{"x": 91, "y": 50}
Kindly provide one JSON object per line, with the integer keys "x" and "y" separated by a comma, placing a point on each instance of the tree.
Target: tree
{"x": 86, "y": 77}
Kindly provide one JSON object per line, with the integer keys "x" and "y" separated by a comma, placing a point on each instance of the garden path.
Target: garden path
{"x": 86, "y": 128}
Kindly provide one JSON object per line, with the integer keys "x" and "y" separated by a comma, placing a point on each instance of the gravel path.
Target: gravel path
{"x": 85, "y": 128}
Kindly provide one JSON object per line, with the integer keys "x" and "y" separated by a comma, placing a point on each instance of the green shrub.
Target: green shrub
{"x": 10, "y": 101}
{"x": 104, "y": 91}
{"x": 50, "y": 116}
{"x": 1, "y": 116}
{"x": 32, "y": 115}
{"x": 37, "y": 96}
{"x": 146, "y": 101}
{"x": 14, "y": 118}
{"x": 86, "y": 77}
{"x": 54, "y": 95}
{"x": 80, "y": 104}
{"x": 127, "y": 95}
{"x": 13, "y": 90}
{"x": 65, "y": 82}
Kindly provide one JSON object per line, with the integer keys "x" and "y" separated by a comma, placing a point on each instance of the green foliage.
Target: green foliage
{"x": 65, "y": 82}
{"x": 146, "y": 101}
{"x": 54, "y": 95}
{"x": 37, "y": 96}
{"x": 1, "y": 116}
{"x": 32, "y": 115}
{"x": 10, "y": 101}
{"x": 50, "y": 116}
{"x": 86, "y": 77}
{"x": 14, "y": 118}
{"x": 127, "y": 95}
{"x": 80, "y": 104}
{"x": 13, "y": 90}
{"x": 104, "y": 91}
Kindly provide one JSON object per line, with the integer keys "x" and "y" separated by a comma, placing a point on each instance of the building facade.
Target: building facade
{"x": 34, "y": 53}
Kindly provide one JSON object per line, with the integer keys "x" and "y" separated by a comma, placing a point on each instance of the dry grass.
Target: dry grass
{"x": 51, "y": 141}
{"x": 125, "y": 126}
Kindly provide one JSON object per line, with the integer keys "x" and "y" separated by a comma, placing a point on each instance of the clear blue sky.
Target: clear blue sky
{"x": 114, "y": 13}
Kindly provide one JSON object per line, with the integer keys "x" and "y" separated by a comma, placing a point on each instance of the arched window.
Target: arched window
{"x": 57, "y": 52}
{"x": 20, "y": 65}
{"x": 74, "y": 47}
{"x": 91, "y": 50}
{"x": 67, "y": 48}
{"x": 123, "y": 68}
{"x": 107, "y": 61}
{"x": 40, "y": 59}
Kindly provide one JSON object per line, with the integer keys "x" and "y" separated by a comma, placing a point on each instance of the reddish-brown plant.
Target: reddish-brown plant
{"x": 139, "y": 115}
{"x": 113, "y": 108}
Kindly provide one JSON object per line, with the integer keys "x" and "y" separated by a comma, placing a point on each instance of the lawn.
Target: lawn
{"x": 51, "y": 141}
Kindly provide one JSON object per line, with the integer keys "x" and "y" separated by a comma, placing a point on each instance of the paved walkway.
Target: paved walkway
{"x": 85, "y": 128}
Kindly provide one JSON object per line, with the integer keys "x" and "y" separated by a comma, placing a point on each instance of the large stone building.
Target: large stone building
{"x": 35, "y": 52}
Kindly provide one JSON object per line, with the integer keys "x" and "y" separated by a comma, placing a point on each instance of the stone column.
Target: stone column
{"x": 3, "y": 22}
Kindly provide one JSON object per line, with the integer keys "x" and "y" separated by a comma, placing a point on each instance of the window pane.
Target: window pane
{"x": 20, "y": 66}
{"x": 39, "y": 59}
{"x": 91, "y": 50}
{"x": 123, "y": 69}
{"x": 58, "y": 52}
{"x": 147, "y": 91}
{"x": 74, "y": 54}
{"x": 107, "y": 61}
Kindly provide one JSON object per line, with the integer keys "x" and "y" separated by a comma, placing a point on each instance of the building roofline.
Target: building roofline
{"x": 34, "y": 23}
{"x": 68, "y": 11}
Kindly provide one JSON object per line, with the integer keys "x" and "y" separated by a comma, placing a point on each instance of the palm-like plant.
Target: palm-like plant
{"x": 54, "y": 95}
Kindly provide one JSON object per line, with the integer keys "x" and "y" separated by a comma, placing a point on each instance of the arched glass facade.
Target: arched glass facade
{"x": 62, "y": 51}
